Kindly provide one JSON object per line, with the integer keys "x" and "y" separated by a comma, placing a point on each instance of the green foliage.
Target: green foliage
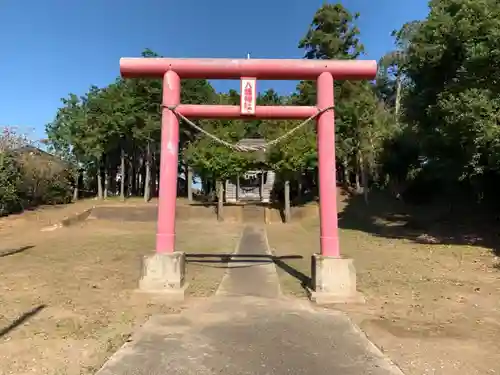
{"x": 364, "y": 124}
{"x": 289, "y": 156}
{"x": 213, "y": 160}
{"x": 430, "y": 117}
{"x": 45, "y": 178}
{"x": 10, "y": 180}
{"x": 332, "y": 34}
{"x": 29, "y": 176}
{"x": 92, "y": 131}
{"x": 452, "y": 70}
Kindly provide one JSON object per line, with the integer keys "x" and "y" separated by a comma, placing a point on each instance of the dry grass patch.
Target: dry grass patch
{"x": 433, "y": 308}
{"x": 68, "y": 297}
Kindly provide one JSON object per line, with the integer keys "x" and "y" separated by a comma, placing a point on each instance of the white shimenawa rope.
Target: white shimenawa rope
{"x": 247, "y": 148}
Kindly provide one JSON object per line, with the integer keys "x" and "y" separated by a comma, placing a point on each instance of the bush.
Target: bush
{"x": 30, "y": 176}
{"x": 10, "y": 181}
{"x": 59, "y": 189}
{"x": 45, "y": 180}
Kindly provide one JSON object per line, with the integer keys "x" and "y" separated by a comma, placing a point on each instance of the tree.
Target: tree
{"x": 217, "y": 162}
{"x": 360, "y": 117}
{"x": 365, "y": 125}
{"x": 453, "y": 67}
{"x": 115, "y": 132}
{"x": 391, "y": 73}
{"x": 430, "y": 115}
{"x": 332, "y": 34}
{"x": 65, "y": 137}
{"x": 292, "y": 156}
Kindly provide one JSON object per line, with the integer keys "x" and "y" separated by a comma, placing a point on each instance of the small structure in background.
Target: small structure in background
{"x": 254, "y": 185}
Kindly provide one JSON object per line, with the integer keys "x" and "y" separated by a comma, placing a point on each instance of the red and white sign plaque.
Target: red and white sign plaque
{"x": 248, "y": 96}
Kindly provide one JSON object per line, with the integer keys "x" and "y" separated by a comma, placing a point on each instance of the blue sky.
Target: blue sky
{"x": 52, "y": 47}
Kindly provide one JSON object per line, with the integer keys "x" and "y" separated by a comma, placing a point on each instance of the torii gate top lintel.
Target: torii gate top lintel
{"x": 271, "y": 69}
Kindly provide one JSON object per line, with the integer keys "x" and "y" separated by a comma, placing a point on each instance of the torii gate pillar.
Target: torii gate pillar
{"x": 334, "y": 278}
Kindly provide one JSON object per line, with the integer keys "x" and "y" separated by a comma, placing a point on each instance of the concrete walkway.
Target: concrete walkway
{"x": 251, "y": 269}
{"x": 261, "y": 334}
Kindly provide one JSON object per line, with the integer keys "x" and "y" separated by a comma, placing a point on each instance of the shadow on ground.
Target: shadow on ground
{"x": 22, "y": 319}
{"x": 439, "y": 223}
{"x": 6, "y": 253}
{"x": 249, "y": 260}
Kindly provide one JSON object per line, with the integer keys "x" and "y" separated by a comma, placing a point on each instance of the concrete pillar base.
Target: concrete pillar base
{"x": 164, "y": 274}
{"x": 334, "y": 281}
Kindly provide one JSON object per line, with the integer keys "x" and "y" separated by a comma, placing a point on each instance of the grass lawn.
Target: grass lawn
{"x": 68, "y": 298}
{"x": 433, "y": 296}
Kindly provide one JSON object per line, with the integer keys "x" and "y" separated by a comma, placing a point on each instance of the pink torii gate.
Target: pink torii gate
{"x": 333, "y": 276}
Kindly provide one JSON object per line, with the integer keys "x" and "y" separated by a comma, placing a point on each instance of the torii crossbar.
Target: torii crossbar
{"x": 172, "y": 70}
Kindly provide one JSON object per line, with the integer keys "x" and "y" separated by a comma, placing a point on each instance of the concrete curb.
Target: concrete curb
{"x": 69, "y": 220}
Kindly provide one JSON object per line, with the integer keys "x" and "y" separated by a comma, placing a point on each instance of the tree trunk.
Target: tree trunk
{"x": 220, "y": 200}
{"x": 357, "y": 180}
{"x": 287, "y": 202}
{"x": 189, "y": 182}
{"x": 99, "y": 185}
{"x": 206, "y": 187}
{"x": 113, "y": 184}
{"x": 75, "y": 189}
{"x": 372, "y": 168}
{"x": 299, "y": 186}
{"x": 106, "y": 183}
{"x": 142, "y": 176}
{"x": 75, "y": 193}
{"x": 203, "y": 185}
{"x": 398, "y": 98}
{"x": 345, "y": 172}
{"x": 122, "y": 175}
{"x": 147, "y": 178}
{"x": 210, "y": 187}
{"x": 139, "y": 181}
{"x": 130, "y": 178}
{"x": 364, "y": 179}
{"x": 261, "y": 187}
{"x": 154, "y": 176}
{"x": 134, "y": 162}
{"x": 237, "y": 188}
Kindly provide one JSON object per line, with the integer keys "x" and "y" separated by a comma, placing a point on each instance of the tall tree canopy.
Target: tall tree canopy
{"x": 432, "y": 110}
